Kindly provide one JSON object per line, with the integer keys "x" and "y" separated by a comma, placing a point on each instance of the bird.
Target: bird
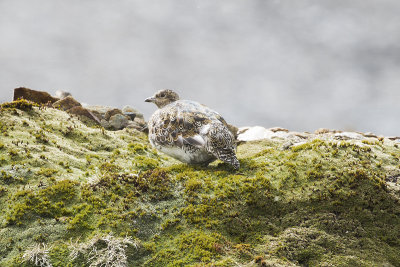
{"x": 189, "y": 131}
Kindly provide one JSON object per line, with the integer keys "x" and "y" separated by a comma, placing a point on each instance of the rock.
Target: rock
{"x": 304, "y": 135}
{"x": 38, "y": 97}
{"x": 136, "y": 126}
{"x": 96, "y": 114}
{"x": 118, "y": 121}
{"x": 62, "y": 94}
{"x": 322, "y": 131}
{"x": 66, "y": 103}
{"x": 111, "y": 113}
{"x": 348, "y": 135}
{"x": 81, "y": 111}
{"x": 131, "y": 115}
{"x": 129, "y": 109}
{"x": 278, "y": 129}
{"x": 369, "y": 134}
{"x": 140, "y": 121}
{"x": 105, "y": 124}
{"x": 259, "y": 133}
{"x": 100, "y": 109}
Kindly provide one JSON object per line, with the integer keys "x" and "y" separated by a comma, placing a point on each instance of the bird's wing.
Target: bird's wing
{"x": 177, "y": 126}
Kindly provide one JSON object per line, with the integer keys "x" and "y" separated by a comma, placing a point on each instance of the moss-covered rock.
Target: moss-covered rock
{"x": 71, "y": 193}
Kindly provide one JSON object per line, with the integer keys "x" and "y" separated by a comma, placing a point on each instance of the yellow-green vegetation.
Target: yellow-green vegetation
{"x": 73, "y": 194}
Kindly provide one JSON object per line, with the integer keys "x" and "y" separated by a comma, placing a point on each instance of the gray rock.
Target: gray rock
{"x": 131, "y": 115}
{"x": 129, "y": 109}
{"x": 98, "y": 108}
{"x": 105, "y": 124}
{"x": 118, "y": 121}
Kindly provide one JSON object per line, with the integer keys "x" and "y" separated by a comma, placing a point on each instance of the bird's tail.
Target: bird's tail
{"x": 221, "y": 143}
{"x": 229, "y": 157}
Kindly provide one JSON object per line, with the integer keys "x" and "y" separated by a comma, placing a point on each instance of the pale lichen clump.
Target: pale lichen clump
{"x": 38, "y": 254}
{"x": 104, "y": 250}
{"x": 321, "y": 201}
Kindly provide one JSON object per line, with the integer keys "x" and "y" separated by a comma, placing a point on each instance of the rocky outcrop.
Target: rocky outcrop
{"x": 35, "y": 96}
{"x": 134, "y": 118}
{"x": 260, "y": 133}
{"x": 109, "y": 117}
{"x": 66, "y": 103}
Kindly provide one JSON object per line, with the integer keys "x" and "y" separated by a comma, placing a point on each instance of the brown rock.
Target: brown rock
{"x": 66, "y": 103}
{"x": 278, "y": 129}
{"x": 81, "y": 111}
{"x": 369, "y": 134}
{"x": 96, "y": 114}
{"x": 111, "y": 113}
{"x": 322, "y": 131}
{"x": 38, "y": 97}
{"x": 140, "y": 121}
{"x": 301, "y": 135}
{"x": 137, "y": 126}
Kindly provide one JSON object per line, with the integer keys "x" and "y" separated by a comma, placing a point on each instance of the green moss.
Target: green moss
{"x": 21, "y": 104}
{"x": 137, "y": 148}
{"x": 47, "y": 172}
{"x": 80, "y": 220}
{"x": 189, "y": 248}
{"x": 319, "y": 203}
{"x": 47, "y": 202}
{"x": 59, "y": 256}
{"x": 145, "y": 163}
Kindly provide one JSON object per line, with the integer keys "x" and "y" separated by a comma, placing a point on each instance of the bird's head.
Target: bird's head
{"x": 163, "y": 98}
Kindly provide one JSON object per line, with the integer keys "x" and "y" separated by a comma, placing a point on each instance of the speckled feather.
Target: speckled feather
{"x": 192, "y": 133}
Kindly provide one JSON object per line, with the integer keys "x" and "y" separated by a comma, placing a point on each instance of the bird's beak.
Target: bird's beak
{"x": 149, "y": 99}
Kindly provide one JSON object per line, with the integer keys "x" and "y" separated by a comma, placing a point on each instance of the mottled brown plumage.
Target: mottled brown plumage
{"x": 189, "y": 131}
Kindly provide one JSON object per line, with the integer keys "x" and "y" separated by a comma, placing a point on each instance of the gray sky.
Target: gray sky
{"x": 296, "y": 64}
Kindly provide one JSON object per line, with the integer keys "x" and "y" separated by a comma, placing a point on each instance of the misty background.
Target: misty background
{"x": 301, "y": 64}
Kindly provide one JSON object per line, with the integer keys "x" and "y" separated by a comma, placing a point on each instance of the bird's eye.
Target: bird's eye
{"x": 162, "y": 95}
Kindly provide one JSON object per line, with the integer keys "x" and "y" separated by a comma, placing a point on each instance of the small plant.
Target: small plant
{"x": 104, "y": 250}
{"x": 38, "y": 254}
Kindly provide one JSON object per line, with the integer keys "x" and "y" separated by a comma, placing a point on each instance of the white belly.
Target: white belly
{"x": 192, "y": 157}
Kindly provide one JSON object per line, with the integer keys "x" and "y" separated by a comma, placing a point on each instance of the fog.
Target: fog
{"x": 298, "y": 64}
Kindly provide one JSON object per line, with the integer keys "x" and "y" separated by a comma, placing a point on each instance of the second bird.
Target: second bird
{"x": 189, "y": 131}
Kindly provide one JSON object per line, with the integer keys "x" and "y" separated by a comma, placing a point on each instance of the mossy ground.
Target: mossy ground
{"x": 321, "y": 203}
